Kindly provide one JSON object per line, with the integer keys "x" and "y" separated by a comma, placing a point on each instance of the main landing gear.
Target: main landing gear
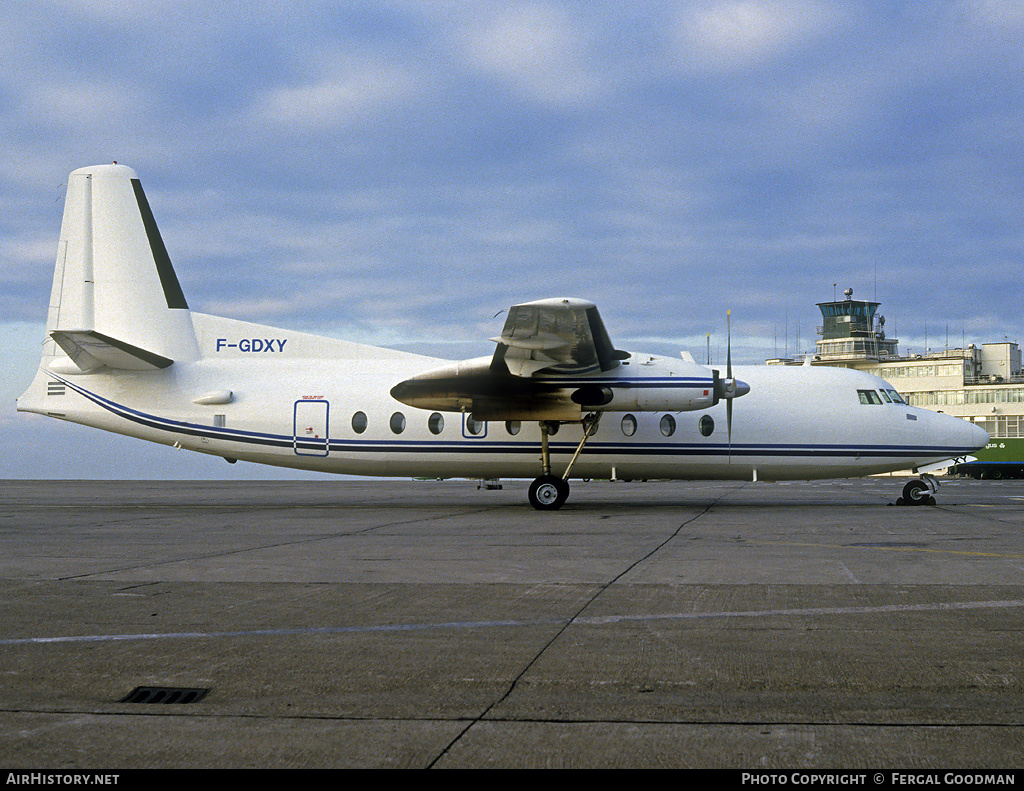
{"x": 549, "y": 492}
{"x": 920, "y": 491}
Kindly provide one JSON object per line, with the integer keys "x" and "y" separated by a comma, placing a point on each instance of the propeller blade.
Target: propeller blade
{"x": 728, "y": 425}
{"x": 729, "y": 379}
{"x": 728, "y": 345}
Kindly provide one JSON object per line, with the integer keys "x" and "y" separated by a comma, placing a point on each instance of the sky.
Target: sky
{"x": 397, "y": 173}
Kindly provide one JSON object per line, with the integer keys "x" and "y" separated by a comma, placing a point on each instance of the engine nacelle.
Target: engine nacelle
{"x": 476, "y": 386}
{"x": 633, "y": 398}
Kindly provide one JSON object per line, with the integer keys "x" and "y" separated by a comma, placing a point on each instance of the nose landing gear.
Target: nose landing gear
{"x": 919, "y": 491}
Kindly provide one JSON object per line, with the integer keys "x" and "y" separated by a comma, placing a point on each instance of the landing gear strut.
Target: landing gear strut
{"x": 549, "y": 492}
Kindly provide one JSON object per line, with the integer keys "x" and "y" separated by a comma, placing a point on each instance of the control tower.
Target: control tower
{"x": 851, "y": 332}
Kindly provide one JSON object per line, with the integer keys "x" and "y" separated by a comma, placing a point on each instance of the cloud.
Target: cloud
{"x": 539, "y": 52}
{"x": 404, "y": 170}
{"x": 1000, "y": 14}
{"x": 737, "y": 34}
{"x": 82, "y": 104}
{"x": 347, "y": 93}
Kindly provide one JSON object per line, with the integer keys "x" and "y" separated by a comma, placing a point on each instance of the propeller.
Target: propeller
{"x": 729, "y": 388}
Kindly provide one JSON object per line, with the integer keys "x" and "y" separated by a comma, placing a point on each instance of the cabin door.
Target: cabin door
{"x": 311, "y": 421}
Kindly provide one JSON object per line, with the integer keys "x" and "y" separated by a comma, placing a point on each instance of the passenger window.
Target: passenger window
{"x": 474, "y": 426}
{"x": 435, "y": 423}
{"x": 359, "y": 422}
{"x": 706, "y": 425}
{"x": 512, "y": 427}
{"x": 668, "y": 425}
{"x": 398, "y": 423}
{"x": 629, "y": 425}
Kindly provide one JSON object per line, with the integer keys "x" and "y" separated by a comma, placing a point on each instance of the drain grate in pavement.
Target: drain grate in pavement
{"x": 165, "y": 695}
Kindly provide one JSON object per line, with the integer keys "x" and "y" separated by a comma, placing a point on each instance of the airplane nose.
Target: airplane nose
{"x": 977, "y": 436}
{"x": 955, "y": 433}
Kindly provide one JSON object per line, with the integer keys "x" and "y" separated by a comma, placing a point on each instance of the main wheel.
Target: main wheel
{"x": 916, "y": 493}
{"x": 548, "y": 492}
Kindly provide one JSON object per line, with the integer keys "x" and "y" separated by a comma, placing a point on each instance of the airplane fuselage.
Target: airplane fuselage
{"x": 290, "y": 399}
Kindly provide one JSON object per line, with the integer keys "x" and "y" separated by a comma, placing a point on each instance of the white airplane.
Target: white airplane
{"x": 124, "y": 353}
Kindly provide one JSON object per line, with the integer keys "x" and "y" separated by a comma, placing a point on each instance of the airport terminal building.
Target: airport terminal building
{"x": 983, "y": 385}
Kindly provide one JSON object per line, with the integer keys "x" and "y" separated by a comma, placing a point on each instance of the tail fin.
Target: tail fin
{"x": 116, "y": 301}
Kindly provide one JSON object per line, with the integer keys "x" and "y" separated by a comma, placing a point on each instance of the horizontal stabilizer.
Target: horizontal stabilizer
{"x": 91, "y": 350}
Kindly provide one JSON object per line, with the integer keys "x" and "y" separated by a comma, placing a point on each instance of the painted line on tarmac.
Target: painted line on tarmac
{"x": 810, "y": 611}
{"x": 600, "y": 620}
{"x": 890, "y": 547}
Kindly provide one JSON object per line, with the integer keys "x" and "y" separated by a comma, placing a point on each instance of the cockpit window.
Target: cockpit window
{"x": 896, "y": 397}
{"x": 869, "y": 397}
{"x": 885, "y": 395}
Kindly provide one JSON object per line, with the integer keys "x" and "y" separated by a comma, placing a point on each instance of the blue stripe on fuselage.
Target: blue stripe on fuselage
{"x": 594, "y": 447}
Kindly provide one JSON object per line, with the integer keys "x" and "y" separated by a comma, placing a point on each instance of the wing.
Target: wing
{"x": 542, "y": 345}
{"x": 562, "y": 335}
{"x": 555, "y": 361}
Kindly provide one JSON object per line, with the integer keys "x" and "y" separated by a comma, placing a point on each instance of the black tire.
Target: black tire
{"x": 916, "y": 493}
{"x": 548, "y": 493}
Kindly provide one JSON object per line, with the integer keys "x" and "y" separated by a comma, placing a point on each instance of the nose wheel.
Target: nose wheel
{"x": 919, "y": 491}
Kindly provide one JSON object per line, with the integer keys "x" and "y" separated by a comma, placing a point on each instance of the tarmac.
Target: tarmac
{"x": 760, "y": 626}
